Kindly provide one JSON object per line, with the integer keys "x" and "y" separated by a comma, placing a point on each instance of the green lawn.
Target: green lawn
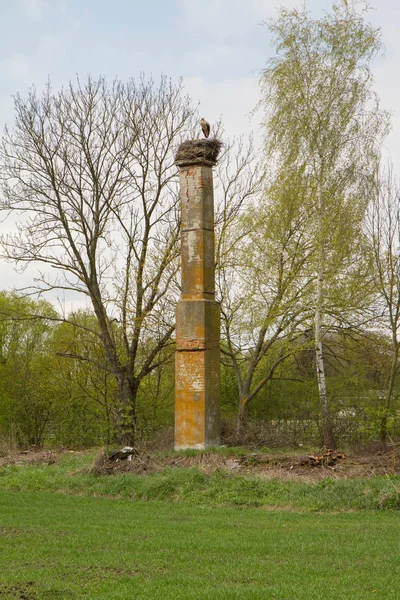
{"x": 62, "y": 546}
{"x": 193, "y": 486}
{"x": 183, "y": 534}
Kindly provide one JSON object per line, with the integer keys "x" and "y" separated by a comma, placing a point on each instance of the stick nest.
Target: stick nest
{"x": 198, "y": 152}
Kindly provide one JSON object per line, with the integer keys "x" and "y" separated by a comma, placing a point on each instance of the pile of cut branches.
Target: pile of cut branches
{"x": 324, "y": 458}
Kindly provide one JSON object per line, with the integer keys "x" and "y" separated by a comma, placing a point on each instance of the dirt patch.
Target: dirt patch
{"x": 300, "y": 467}
{"x": 34, "y": 456}
{"x": 349, "y": 466}
{"x": 21, "y": 591}
{"x": 367, "y": 462}
{"x": 151, "y": 463}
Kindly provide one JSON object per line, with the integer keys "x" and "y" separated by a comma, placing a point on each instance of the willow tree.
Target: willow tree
{"x": 88, "y": 172}
{"x": 322, "y": 117}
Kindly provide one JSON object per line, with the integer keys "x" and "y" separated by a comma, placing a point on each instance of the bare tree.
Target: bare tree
{"x": 384, "y": 229}
{"x": 89, "y": 170}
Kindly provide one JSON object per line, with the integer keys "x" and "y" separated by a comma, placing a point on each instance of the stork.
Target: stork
{"x": 205, "y": 126}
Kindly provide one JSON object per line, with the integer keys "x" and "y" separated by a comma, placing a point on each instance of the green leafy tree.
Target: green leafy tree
{"x": 262, "y": 285}
{"x": 85, "y": 406}
{"x": 323, "y": 120}
{"x": 26, "y": 393}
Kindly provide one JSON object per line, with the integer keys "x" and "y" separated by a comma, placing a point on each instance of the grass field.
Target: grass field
{"x": 66, "y": 534}
{"x": 69, "y": 475}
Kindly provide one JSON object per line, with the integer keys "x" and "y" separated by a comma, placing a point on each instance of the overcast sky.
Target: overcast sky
{"x": 217, "y": 46}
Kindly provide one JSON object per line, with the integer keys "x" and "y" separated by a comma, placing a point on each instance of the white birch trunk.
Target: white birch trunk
{"x": 327, "y": 429}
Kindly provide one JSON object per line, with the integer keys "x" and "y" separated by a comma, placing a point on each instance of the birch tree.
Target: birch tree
{"x": 321, "y": 116}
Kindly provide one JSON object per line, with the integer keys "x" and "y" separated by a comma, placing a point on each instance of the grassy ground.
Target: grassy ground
{"x": 55, "y": 546}
{"x": 67, "y": 534}
{"x": 191, "y": 485}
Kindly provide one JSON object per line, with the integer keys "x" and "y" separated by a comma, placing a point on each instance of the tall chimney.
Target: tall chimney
{"x": 197, "y": 378}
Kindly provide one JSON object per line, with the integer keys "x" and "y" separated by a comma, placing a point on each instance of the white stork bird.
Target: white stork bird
{"x": 205, "y": 126}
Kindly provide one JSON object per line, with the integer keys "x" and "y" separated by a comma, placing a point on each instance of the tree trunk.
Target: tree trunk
{"x": 392, "y": 376}
{"x": 126, "y": 415}
{"x": 383, "y": 431}
{"x": 242, "y": 415}
{"x": 326, "y": 421}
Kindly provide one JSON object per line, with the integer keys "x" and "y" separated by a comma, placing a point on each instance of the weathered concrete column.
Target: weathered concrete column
{"x": 197, "y": 378}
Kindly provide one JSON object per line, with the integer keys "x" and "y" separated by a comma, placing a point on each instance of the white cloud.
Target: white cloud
{"x": 33, "y": 9}
{"x": 207, "y": 56}
{"x": 15, "y": 66}
{"x": 220, "y": 16}
{"x": 229, "y": 16}
{"x": 48, "y": 44}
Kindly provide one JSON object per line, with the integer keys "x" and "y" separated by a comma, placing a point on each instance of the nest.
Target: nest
{"x": 198, "y": 152}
